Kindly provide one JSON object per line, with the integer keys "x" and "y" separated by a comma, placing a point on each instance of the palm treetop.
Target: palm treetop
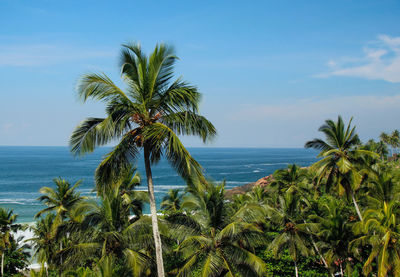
{"x": 338, "y": 136}
{"x": 61, "y": 199}
{"x": 151, "y": 112}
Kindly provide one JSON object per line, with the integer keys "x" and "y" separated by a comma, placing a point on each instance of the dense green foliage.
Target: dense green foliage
{"x": 14, "y": 254}
{"x": 338, "y": 217}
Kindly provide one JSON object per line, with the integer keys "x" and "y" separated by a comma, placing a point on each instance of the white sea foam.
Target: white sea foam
{"x": 7, "y": 201}
{"x": 237, "y": 182}
{"x": 232, "y": 173}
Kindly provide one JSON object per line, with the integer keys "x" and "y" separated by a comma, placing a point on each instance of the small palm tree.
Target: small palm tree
{"x": 211, "y": 239}
{"x": 293, "y": 234}
{"x": 60, "y": 200}
{"x": 333, "y": 228}
{"x": 257, "y": 195}
{"x": 386, "y": 139}
{"x": 106, "y": 229}
{"x": 133, "y": 200}
{"x": 7, "y": 226}
{"x": 341, "y": 159}
{"x": 172, "y": 201}
{"x": 383, "y": 186}
{"x": 148, "y": 115}
{"x": 381, "y": 231}
{"x": 44, "y": 243}
{"x": 289, "y": 178}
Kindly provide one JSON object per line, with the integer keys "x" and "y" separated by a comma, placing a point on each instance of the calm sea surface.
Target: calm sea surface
{"x": 24, "y": 170}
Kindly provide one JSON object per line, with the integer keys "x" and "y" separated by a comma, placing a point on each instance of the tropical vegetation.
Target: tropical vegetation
{"x": 337, "y": 217}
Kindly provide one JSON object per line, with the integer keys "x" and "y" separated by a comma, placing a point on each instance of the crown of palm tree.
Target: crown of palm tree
{"x": 152, "y": 111}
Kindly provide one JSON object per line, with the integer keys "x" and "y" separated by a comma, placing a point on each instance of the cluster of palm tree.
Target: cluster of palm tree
{"x": 200, "y": 233}
{"x": 340, "y": 213}
{"x": 303, "y": 212}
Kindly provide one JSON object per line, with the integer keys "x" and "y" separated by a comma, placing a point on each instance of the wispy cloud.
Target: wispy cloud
{"x": 47, "y": 54}
{"x": 381, "y": 61}
{"x": 293, "y": 122}
{"x": 7, "y": 127}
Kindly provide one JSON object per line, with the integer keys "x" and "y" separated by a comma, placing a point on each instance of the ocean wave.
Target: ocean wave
{"x": 237, "y": 182}
{"x": 11, "y": 202}
{"x": 274, "y": 164}
{"x": 22, "y": 201}
{"x": 165, "y": 176}
{"x": 232, "y": 173}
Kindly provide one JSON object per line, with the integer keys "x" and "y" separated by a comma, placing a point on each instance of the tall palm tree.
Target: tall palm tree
{"x": 341, "y": 159}
{"x": 148, "y": 115}
{"x": 213, "y": 240}
{"x": 7, "y": 225}
{"x": 172, "y": 201}
{"x": 293, "y": 234}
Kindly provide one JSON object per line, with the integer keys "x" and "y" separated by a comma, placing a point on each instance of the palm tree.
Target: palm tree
{"x": 289, "y": 178}
{"x": 257, "y": 195}
{"x": 60, "y": 200}
{"x": 107, "y": 229}
{"x": 333, "y": 228}
{"x": 292, "y": 235}
{"x": 381, "y": 149}
{"x": 385, "y": 138}
{"x": 213, "y": 240}
{"x": 149, "y": 115}
{"x": 44, "y": 243}
{"x": 172, "y": 201}
{"x": 381, "y": 231}
{"x": 341, "y": 158}
{"x": 7, "y": 225}
{"x": 383, "y": 186}
{"x": 395, "y": 139}
{"x": 133, "y": 200}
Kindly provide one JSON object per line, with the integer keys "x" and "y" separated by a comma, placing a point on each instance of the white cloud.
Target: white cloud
{"x": 380, "y": 62}
{"x": 47, "y": 54}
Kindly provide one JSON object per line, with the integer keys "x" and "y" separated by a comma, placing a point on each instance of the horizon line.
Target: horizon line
{"x": 243, "y": 147}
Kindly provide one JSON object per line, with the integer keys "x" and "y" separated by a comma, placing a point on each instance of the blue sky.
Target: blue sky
{"x": 270, "y": 71}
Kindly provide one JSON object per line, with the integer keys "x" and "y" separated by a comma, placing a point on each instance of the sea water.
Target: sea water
{"x": 24, "y": 170}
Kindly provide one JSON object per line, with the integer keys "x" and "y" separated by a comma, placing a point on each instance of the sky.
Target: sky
{"x": 270, "y": 72}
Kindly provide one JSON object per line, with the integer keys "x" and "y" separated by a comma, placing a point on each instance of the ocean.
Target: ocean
{"x": 24, "y": 170}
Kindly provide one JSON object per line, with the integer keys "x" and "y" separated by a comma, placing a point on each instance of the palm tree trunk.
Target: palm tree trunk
{"x": 295, "y": 269}
{"x": 153, "y": 210}
{"x": 318, "y": 252}
{"x": 356, "y": 206}
{"x": 341, "y": 269}
{"x": 2, "y": 264}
